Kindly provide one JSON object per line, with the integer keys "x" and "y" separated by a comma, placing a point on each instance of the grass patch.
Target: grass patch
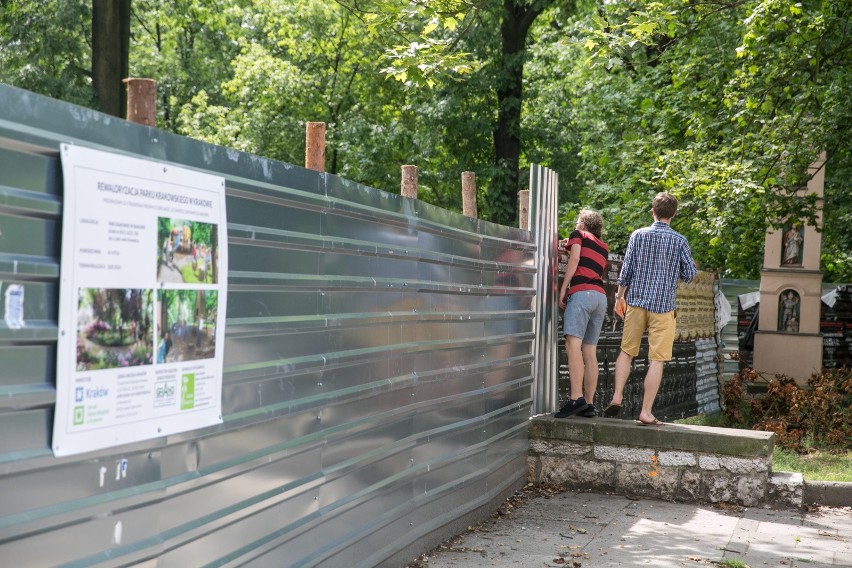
{"x": 702, "y": 420}
{"x": 190, "y": 276}
{"x": 733, "y": 564}
{"x": 815, "y": 465}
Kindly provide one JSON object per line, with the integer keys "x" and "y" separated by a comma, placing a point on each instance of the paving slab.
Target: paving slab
{"x": 540, "y": 529}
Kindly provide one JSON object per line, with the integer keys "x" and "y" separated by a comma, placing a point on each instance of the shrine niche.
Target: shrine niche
{"x": 792, "y": 244}
{"x": 788, "y": 340}
{"x": 789, "y": 303}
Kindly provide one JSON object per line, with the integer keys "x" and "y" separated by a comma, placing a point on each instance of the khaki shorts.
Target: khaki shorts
{"x": 661, "y": 333}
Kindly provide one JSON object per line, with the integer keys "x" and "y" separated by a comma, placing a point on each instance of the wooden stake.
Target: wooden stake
{"x": 469, "y": 194}
{"x": 524, "y": 209}
{"x": 315, "y": 146}
{"x": 409, "y": 181}
{"x": 141, "y": 101}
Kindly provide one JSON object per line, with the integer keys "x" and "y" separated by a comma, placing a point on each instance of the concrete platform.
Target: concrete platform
{"x": 593, "y": 530}
{"x": 674, "y": 462}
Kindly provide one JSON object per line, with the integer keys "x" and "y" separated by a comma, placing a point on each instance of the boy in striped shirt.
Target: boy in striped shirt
{"x": 583, "y": 297}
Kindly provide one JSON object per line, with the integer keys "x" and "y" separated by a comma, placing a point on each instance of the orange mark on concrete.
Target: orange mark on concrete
{"x": 654, "y": 470}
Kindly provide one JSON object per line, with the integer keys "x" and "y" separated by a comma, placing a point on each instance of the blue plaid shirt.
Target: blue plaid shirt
{"x": 656, "y": 257}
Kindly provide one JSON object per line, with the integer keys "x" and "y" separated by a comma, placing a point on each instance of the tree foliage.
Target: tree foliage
{"x": 723, "y": 104}
{"x": 43, "y": 48}
{"x": 188, "y": 47}
{"x": 421, "y": 39}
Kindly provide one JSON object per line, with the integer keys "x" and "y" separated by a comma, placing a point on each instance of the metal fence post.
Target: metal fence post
{"x": 538, "y": 210}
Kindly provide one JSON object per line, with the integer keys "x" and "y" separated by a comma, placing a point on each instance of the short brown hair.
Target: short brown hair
{"x": 664, "y": 205}
{"x": 591, "y": 221}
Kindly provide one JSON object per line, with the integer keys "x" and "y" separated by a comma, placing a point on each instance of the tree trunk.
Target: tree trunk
{"x": 214, "y": 262}
{"x": 110, "y": 53}
{"x": 164, "y": 315}
{"x": 517, "y": 19}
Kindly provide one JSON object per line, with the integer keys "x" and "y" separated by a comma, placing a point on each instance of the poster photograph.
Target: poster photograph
{"x": 114, "y": 328}
{"x": 188, "y": 252}
{"x": 188, "y": 320}
{"x": 143, "y": 284}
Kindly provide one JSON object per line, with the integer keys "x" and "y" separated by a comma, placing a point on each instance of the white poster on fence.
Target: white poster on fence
{"x": 143, "y": 287}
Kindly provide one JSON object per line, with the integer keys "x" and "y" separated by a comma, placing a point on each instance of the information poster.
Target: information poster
{"x": 143, "y": 287}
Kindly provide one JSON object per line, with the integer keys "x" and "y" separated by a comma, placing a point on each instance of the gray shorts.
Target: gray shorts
{"x": 584, "y": 315}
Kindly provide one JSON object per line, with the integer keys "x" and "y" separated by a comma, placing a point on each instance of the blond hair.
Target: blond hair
{"x": 592, "y": 222}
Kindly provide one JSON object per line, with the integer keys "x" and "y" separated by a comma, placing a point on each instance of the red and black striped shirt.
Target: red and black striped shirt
{"x": 593, "y": 258}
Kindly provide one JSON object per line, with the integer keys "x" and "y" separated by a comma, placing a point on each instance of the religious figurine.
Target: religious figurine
{"x": 788, "y": 311}
{"x": 792, "y": 246}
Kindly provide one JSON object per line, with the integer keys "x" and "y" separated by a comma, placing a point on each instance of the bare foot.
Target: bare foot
{"x": 649, "y": 420}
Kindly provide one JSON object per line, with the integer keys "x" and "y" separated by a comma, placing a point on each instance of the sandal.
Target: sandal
{"x": 656, "y": 422}
{"x": 612, "y": 410}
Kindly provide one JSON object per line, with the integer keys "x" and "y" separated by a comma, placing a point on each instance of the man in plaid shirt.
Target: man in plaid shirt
{"x": 656, "y": 258}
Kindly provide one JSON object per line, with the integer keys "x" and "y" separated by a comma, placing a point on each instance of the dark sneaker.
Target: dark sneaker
{"x": 574, "y": 408}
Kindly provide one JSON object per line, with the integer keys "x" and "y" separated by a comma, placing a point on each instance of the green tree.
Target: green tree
{"x": 188, "y": 47}
{"x": 303, "y": 60}
{"x": 74, "y": 51}
{"x": 517, "y": 18}
{"x": 110, "y": 54}
{"x": 439, "y": 39}
{"x": 724, "y": 105}
{"x": 837, "y": 215}
{"x": 44, "y": 47}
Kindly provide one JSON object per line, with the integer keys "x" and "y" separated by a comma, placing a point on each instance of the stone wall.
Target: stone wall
{"x": 673, "y": 462}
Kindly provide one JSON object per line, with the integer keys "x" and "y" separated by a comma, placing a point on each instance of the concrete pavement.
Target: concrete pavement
{"x": 590, "y": 530}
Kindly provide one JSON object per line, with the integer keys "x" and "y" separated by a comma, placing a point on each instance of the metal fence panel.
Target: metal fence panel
{"x": 377, "y": 383}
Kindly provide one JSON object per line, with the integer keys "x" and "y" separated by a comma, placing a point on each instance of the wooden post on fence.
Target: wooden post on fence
{"x": 524, "y": 209}
{"x": 409, "y": 181}
{"x": 315, "y": 146}
{"x": 469, "y": 194}
{"x": 141, "y": 101}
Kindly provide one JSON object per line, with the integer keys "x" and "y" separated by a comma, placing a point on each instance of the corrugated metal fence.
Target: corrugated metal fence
{"x": 543, "y": 206}
{"x": 378, "y": 371}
